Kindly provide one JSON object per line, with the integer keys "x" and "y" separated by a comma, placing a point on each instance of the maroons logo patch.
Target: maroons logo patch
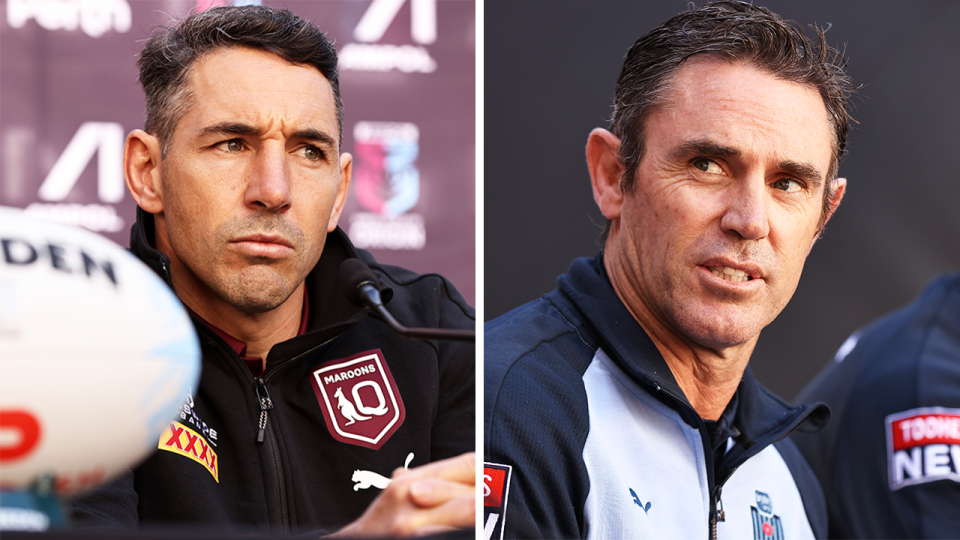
{"x": 359, "y": 399}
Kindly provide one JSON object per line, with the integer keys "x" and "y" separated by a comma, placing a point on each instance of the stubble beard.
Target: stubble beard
{"x": 263, "y": 284}
{"x": 256, "y": 289}
{"x": 717, "y": 321}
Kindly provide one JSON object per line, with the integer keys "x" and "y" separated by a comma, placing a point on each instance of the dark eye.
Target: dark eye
{"x": 707, "y": 166}
{"x": 312, "y": 153}
{"x": 787, "y": 184}
{"x": 233, "y": 145}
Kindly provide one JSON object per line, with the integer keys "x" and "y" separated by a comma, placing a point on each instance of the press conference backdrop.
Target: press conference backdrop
{"x": 69, "y": 95}
{"x": 550, "y": 72}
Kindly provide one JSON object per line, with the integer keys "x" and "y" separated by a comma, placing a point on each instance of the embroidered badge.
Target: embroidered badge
{"x": 766, "y": 525}
{"x": 180, "y": 439}
{"x": 359, "y": 399}
{"x": 496, "y": 487}
{"x": 923, "y": 445}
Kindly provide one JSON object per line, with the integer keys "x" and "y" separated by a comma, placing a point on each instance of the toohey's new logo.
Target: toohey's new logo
{"x": 359, "y": 399}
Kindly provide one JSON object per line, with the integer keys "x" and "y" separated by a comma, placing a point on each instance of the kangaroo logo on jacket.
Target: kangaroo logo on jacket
{"x": 359, "y": 399}
{"x": 766, "y": 525}
{"x": 923, "y": 445}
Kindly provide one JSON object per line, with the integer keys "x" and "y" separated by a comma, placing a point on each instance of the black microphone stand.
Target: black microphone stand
{"x": 369, "y": 296}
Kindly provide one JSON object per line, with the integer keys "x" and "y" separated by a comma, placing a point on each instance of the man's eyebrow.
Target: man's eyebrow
{"x": 803, "y": 171}
{"x": 702, "y": 147}
{"x": 238, "y": 128}
{"x": 228, "y": 128}
{"x": 316, "y": 135}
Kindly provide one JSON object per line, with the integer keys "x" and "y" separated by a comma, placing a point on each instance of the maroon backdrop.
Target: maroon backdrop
{"x": 69, "y": 95}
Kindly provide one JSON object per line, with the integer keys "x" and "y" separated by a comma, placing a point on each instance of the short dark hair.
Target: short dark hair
{"x": 171, "y": 52}
{"x": 737, "y": 32}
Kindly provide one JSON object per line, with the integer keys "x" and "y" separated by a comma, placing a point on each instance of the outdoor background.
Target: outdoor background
{"x": 550, "y": 71}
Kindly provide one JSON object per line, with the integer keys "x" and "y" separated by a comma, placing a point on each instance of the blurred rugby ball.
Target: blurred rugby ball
{"x": 96, "y": 356}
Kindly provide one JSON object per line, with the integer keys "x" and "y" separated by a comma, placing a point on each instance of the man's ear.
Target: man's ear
{"x": 346, "y": 168}
{"x": 605, "y": 171}
{"x": 141, "y": 167}
{"x": 839, "y": 189}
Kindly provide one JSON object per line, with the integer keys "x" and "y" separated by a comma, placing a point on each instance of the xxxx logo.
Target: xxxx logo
{"x": 180, "y": 439}
{"x": 359, "y": 399}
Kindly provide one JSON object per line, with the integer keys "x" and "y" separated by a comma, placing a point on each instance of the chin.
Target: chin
{"x": 719, "y": 331}
{"x": 256, "y": 305}
{"x": 258, "y": 293}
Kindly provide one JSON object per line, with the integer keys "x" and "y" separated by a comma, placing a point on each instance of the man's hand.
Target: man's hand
{"x": 436, "y": 497}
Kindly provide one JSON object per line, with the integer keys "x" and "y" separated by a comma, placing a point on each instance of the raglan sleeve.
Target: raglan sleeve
{"x": 535, "y": 426}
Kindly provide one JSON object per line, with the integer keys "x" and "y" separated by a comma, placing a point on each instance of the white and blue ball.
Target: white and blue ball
{"x": 96, "y": 356}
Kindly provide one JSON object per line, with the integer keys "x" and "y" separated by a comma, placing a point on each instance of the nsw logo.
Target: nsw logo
{"x": 359, "y": 399}
{"x": 766, "y": 524}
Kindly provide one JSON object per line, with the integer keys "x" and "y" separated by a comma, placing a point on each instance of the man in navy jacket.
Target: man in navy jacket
{"x": 620, "y": 405}
{"x": 889, "y": 462}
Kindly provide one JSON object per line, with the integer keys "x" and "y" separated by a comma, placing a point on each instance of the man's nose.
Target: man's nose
{"x": 747, "y": 214}
{"x": 269, "y": 185}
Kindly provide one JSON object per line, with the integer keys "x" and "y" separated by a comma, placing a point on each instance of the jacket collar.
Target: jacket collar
{"x": 331, "y": 311}
{"x": 761, "y": 415}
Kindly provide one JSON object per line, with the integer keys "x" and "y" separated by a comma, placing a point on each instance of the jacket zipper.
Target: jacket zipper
{"x": 260, "y": 383}
{"x": 166, "y": 273}
{"x": 716, "y": 506}
{"x": 716, "y": 511}
{"x": 265, "y": 403}
{"x": 279, "y": 484}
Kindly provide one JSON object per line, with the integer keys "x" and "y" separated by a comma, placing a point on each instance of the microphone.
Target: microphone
{"x": 361, "y": 286}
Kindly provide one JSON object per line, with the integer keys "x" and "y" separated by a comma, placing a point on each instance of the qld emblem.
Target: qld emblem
{"x": 359, "y": 399}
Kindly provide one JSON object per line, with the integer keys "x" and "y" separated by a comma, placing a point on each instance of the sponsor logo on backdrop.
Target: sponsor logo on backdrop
{"x": 923, "y": 445}
{"x": 368, "y": 55}
{"x": 103, "y": 139}
{"x": 386, "y": 183}
{"x": 94, "y": 18}
{"x": 359, "y": 399}
{"x": 203, "y": 5}
{"x": 496, "y": 488}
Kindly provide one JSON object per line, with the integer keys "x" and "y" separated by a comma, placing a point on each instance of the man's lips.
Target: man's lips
{"x": 734, "y": 272}
{"x": 263, "y": 245}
